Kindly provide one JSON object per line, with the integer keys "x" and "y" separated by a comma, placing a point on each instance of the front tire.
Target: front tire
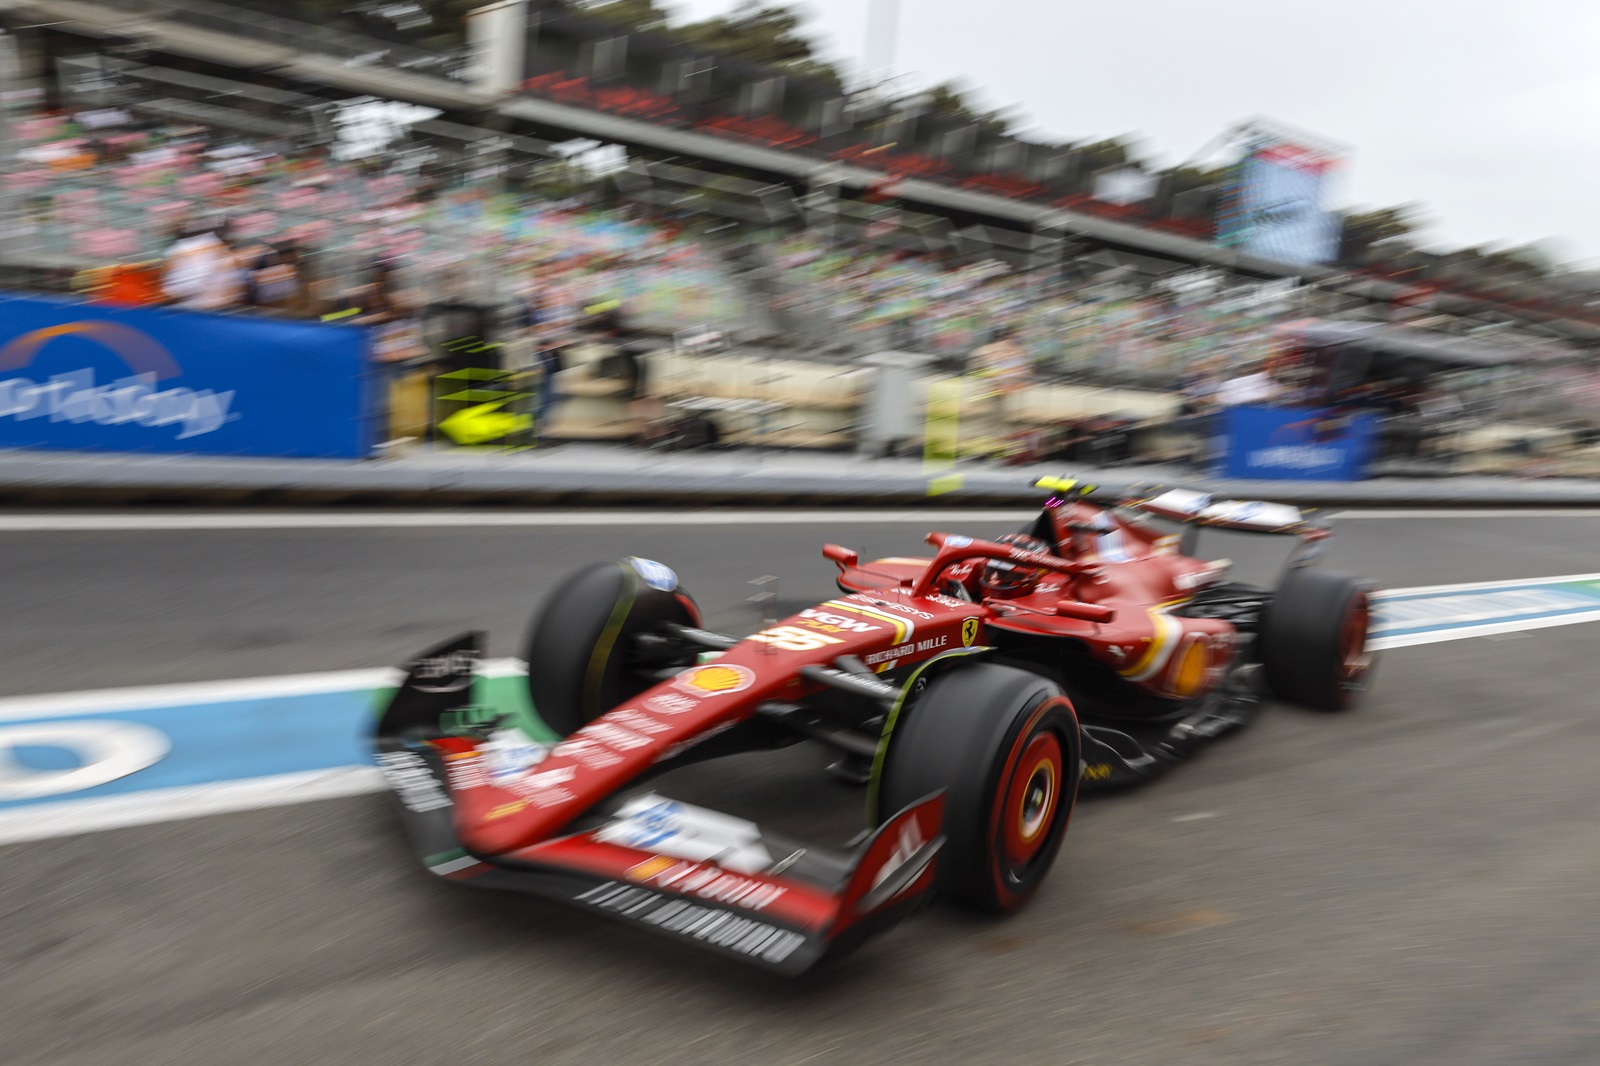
{"x": 1313, "y": 639}
{"x": 585, "y": 653}
{"x": 1003, "y": 744}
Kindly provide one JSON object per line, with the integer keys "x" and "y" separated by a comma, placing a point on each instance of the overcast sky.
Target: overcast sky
{"x": 1487, "y": 112}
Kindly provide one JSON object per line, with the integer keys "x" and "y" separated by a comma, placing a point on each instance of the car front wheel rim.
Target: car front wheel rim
{"x": 1353, "y": 655}
{"x": 1031, "y": 800}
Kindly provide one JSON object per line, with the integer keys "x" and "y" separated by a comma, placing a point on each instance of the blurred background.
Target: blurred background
{"x": 678, "y": 228}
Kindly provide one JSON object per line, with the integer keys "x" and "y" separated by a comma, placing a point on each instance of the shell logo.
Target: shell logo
{"x": 716, "y": 679}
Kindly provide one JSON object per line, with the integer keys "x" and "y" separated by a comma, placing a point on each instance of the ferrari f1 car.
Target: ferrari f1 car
{"x": 971, "y": 692}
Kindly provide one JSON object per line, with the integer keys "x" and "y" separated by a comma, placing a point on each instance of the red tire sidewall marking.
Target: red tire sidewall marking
{"x": 1009, "y": 896}
{"x": 690, "y": 606}
{"x": 1043, "y": 751}
{"x": 1353, "y": 664}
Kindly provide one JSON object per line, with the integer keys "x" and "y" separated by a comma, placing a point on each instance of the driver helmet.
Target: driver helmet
{"x": 1006, "y": 580}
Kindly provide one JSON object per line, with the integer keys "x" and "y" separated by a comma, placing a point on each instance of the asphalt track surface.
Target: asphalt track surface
{"x": 1414, "y": 882}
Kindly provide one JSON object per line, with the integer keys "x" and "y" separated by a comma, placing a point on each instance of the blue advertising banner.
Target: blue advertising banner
{"x": 85, "y": 377}
{"x": 1296, "y": 444}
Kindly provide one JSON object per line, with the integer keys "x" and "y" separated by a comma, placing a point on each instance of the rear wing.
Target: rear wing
{"x": 696, "y": 875}
{"x": 1189, "y": 506}
{"x": 1247, "y": 516}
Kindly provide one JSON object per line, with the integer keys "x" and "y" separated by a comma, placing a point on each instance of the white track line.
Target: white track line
{"x": 71, "y": 817}
{"x": 1484, "y": 586}
{"x": 112, "y": 700}
{"x": 1446, "y": 512}
{"x": 1515, "y": 625}
{"x": 131, "y": 522}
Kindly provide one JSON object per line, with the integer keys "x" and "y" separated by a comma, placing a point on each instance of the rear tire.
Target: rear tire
{"x": 1003, "y": 744}
{"x": 1313, "y": 639}
{"x": 584, "y": 655}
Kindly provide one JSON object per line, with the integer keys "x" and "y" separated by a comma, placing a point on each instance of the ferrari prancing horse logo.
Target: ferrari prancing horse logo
{"x": 969, "y": 632}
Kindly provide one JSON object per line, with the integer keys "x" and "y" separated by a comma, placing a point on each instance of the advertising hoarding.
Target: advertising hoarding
{"x": 1276, "y": 206}
{"x": 81, "y": 377}
{"x": 1296, "y": 444}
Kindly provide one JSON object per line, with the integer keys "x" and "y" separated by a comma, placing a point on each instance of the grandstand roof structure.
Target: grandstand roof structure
{"x": 1410, "y": 346}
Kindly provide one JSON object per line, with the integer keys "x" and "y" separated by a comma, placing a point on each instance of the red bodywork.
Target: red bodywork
{"x": 1112, "y": 591}
{"x": 699, "y": 703}
{"x": 1128, "y": 569}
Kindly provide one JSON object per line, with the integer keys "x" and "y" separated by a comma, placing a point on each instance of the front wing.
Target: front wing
{"x": 783, "y": 915}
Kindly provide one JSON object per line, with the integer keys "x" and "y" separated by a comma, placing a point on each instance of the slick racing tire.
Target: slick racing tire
{"x": 1003, "y": 744}
{"x": 586, "y": 653}
{"x": 1313, "y": 639}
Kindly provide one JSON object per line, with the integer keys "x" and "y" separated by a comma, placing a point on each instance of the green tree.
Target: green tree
{"x": 1189, "y": 179}
{"x": 953, "y": 100}
{"x": 642, "y": 15}
{"x": 754, "y": 32}
{"x": 1524, "y": 264}
{"x": 764, "y": 34}
{"x": 448, "y": 14}
{"x": 1112, "y": 152}
{"x": 1383, "y": 224}
{"x": 1384, "y": 233}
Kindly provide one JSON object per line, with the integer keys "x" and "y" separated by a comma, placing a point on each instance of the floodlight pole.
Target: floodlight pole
{"x": 883, "y": 15}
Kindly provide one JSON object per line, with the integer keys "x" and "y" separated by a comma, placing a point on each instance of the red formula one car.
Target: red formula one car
{"x": 971, "y": 692}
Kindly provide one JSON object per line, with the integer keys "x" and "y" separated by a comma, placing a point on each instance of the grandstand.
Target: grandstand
{"x": 804, "y": 142}
{"x": 91, "y": 198}
{"x": 89, "y": 195}
{"x": 760, "y": 204}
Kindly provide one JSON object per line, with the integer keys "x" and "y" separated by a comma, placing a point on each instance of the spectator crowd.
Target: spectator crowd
{"x": 181, "y": 214}
{"x": 185, "y": 215}
{"x": 1055, "y": 326}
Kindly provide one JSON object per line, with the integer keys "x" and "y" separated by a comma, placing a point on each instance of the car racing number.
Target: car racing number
{"x": 793, "y": 638}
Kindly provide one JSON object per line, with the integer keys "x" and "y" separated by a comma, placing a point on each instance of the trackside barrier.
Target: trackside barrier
{"x": 81, "y": 377}
{"x": 1296, "y": 444}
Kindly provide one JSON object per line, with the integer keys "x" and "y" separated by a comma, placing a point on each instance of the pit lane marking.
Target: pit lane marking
{"x": 228, "y": 746}
{"x": 1411, "y": 513}
{"x": 190, "y": 693}
{"x": 246, "y": 744}
{"x": 1484, "y": 586}
{"x": 1411, "y": 640}
{"x": 97, "y": 814}
{"x": 1432, "y": 614}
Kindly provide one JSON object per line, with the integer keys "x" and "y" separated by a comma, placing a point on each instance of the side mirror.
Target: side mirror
{"x": 1085, "y": 612}
{"x": 843, "y": 556}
